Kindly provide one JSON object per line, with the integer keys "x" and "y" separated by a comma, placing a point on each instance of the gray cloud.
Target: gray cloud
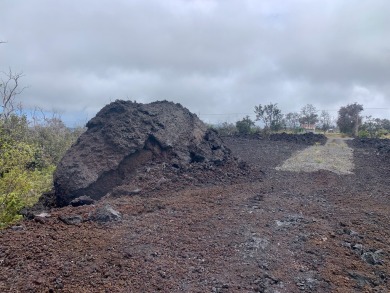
{"x": 211, "y": 56}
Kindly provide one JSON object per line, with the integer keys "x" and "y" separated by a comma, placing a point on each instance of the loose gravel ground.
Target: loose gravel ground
{"x": 276, "y": 231}
{"x": 334, "y": 156}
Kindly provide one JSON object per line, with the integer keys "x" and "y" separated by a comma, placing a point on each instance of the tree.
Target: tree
{"x": 270, "y": 115}
{"x": 309, "y": 115}
{"x": 245, "y": 125}
{"x": 349, "y": 119}
{"x": 9, "y": 89}
{"x": 292, "y": 121}
{"x": 325, "y": 121}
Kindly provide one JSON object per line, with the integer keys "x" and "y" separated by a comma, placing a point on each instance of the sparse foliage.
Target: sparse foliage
{"x": 226, "y": 128}
{"x": 292, "y": 121}
{"x": 54, "y": 138}
{"x": 9, "y": 89}
{"x": 325, "y": 121}
{"x": 309, "y": 115}
{"x": 270, "y": 115}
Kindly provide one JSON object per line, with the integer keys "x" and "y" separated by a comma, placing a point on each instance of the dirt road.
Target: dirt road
{"x": 275, "y": 231}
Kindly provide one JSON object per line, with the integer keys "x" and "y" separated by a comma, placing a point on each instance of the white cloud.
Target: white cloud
{"x": 211, "y": 56}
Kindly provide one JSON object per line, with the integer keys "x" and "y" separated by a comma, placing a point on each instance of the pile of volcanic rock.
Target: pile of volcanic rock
{"x": 382, "y": 146}
{"x": 129, "y": 146}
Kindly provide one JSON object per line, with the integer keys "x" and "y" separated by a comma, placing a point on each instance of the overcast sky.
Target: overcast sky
{"x": 213, "y": 57}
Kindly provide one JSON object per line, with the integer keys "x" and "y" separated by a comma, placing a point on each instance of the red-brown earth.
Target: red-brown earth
{"x": 218, "y": 230}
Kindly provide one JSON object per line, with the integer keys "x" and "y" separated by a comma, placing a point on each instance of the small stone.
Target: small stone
{"x": 71, "y": 219}
{"x": 347, "y": 244}
{"x": 353, "y": 233}
{"x": 59, "y": 284}
{"x": 43, "y": 215}
{"x": 105, "y": 214}
{"x": 18, "y": 228}
{"x": 39, "y": 281}
{"x": 371, "y": 258}
{"x": 82, "y": 200}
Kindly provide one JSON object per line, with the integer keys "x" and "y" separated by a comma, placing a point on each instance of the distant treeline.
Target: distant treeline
{"x": 349, "y": 122}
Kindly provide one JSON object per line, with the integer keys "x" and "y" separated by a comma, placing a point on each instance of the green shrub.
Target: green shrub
{"x": 245, "y": 125}
{"x": 21, "y": 183}
{"x": 363, "y": 134}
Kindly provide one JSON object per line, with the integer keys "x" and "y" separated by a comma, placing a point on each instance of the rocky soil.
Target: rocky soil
{"x": 216, "y": 229}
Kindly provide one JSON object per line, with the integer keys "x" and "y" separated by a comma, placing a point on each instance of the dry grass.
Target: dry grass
{"x": 335, "y": 156}
{"x": 336, "y": 135}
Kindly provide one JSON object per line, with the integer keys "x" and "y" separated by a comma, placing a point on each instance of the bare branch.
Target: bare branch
{"x": 9, "y": 89}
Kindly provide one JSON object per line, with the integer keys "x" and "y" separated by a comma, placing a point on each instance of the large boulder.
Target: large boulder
{"x": 126, "y": 135}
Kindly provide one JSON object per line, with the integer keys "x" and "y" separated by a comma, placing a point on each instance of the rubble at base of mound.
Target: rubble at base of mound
{"x": 123, "y": 137}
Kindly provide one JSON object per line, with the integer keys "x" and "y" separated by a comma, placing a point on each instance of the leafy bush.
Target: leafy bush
{"x": 363, "y": 134}
{"x": 245, "y": 125}
{"x": 19, "y": 185}
{"x": 28, "y": 156}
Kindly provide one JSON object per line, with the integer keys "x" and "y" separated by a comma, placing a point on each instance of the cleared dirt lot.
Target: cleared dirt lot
{"x": 269, "y": 231}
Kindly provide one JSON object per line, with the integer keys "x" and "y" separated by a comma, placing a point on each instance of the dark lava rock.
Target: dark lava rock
{"x": 105, "y": 214}
{"x": 71, "y": 219}
{"x": 373, "y": 258}
{"x": 81, "y": 201}
{"x": 126, "y": 135}
{"x": 309, "y": 138}
{"x": 361, "y": 278}
{"x": 382, "y": 146}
